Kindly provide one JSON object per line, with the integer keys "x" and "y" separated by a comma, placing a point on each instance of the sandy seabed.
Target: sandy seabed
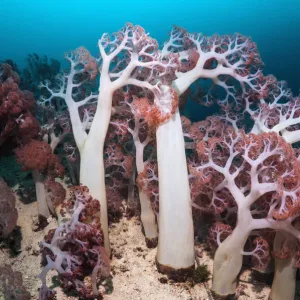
{"x": 133, "y": 265}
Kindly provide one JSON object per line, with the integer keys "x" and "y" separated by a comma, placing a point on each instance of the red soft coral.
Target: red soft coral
{"x": 75, "y": 249}
{"x": 16, "y": 107}
{"x": 37, "y": 155}
{"x": 257, "y": 176}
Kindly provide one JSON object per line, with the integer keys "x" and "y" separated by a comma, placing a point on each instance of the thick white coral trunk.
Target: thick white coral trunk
{"x": 92, "y": 175}
{"x": 40, "y": 195}
{"x": 229, "y": 258}
{"x": 147, "y": 216}
{"x": 92, "y": 172}
{"x": 176, "y": 232}
{"x": 284, "y": 282}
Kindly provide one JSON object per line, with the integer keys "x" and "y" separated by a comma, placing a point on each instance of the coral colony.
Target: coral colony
{"x": 115, "y": 126}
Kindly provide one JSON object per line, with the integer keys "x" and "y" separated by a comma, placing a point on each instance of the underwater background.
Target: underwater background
{"x": 34, "y": 36}
{"x": 52, "y": 27}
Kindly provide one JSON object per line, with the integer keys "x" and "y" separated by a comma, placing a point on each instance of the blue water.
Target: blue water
{"x": 53, "y": 27}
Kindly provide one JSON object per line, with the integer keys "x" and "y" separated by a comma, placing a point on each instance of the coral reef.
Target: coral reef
{"x": 118, "y": 123}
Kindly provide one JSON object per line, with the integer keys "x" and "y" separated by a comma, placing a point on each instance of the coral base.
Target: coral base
{"x": 151, "y": 243}
{"x": 178, "y": 275}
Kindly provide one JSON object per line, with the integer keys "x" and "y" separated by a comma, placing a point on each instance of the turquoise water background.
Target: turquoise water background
{"x": 52, "y": 27}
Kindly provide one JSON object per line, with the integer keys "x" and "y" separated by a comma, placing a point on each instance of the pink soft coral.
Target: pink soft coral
{"x": 75, "y": 249}
{"x": 258, "y": 175}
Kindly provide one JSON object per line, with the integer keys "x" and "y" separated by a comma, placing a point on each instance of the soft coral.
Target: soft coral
{"x": 75, "y": 249}
{"x": 37, "y": 157}
{"x": 16, "y": 108}
{"x": 259, "y": 175}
